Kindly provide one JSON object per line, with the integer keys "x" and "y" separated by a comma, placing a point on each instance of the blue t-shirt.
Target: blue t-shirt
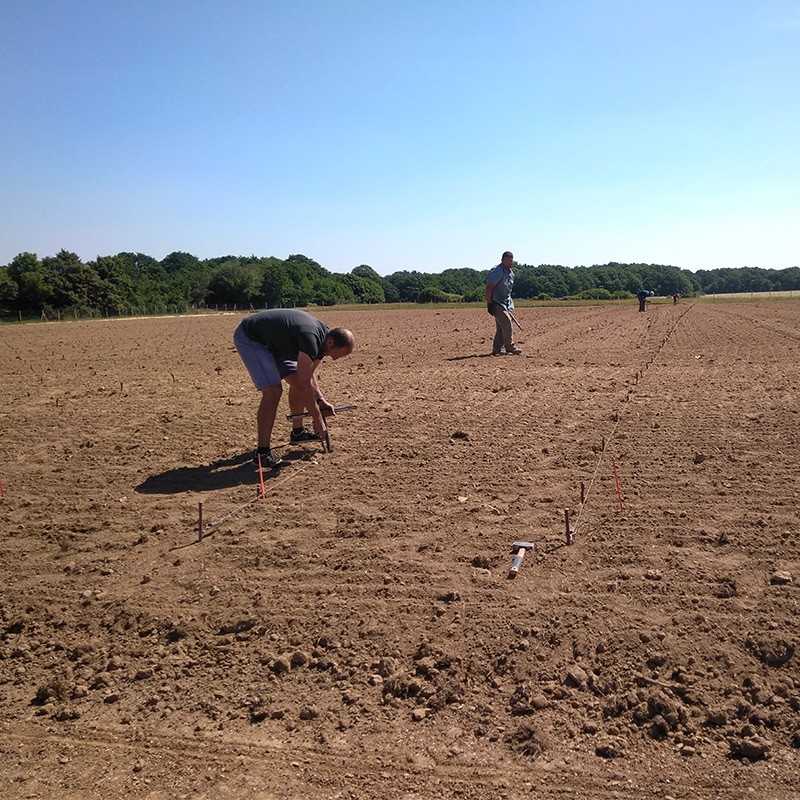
{"x": 503, "y": 281}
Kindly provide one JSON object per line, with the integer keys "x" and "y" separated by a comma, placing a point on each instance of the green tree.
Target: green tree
{"x": 33, "y": 289}
{"x": 366, "y": 271}
{"x": 330, "y": 291}
{"x": 8, "y": 289}
{"x": 120, "y": 286}
{"x": 180, "y": 261}
{"x": 474, "y": 295}
{"x": 390, "y": 291}
{"x": 137, "y": 264}
{"x": 77, "y": 286}
{"x": 788, "y": 279}
{"x": 460, "y": 281}
{"x": 433, "y": 294}
{"x": 364, "y": 290}
{"x": 302, "y": 272}
{"x": 366, "y": 293}
{"x": 274, "y": 281}
{"x": 234, "y": 284}
{"x": 408, "y": 285}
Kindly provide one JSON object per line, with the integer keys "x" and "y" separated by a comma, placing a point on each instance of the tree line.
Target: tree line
{"x": 129, "y": 283}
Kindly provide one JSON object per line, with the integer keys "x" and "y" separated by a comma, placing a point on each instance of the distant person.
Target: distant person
{"x": 288, "y": 345}
{"x": 675, "y": 298}
{"x": 499, "y": 283}
{"x": 643, "y": 297}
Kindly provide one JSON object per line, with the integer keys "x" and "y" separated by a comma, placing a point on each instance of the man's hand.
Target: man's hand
{"x": 326, "y": 409}
{"x": 318, "y": 424}
{"x": 490, "y": 308}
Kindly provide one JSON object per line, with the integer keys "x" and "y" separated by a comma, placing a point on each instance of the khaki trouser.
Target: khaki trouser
{"x": 504, "y": 331}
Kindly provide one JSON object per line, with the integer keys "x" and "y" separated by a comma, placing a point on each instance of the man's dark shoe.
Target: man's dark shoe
{"x": 303, "y": 435}
{"x": 269, "y": 460}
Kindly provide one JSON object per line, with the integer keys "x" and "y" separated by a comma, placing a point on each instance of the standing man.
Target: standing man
{"x": 288, "y": 345}
{"x": 499, "y": 283}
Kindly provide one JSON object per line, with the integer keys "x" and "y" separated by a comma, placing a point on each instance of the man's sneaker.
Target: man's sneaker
{"x": 269, "y": 460}
{"x": 303, "y": 435}
{"x": 498, "y": 353}
{"x": 514, "y": 351}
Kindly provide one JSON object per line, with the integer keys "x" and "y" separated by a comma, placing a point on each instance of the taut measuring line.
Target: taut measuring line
{"x": 204, "y": 531}
{"x": 618, "y": 419}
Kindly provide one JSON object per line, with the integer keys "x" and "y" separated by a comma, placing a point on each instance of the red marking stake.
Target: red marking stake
{"x": 263, "y": 490}
{"x": 616, "y": 481}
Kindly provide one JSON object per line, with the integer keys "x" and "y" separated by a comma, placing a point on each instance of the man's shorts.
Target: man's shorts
{"x": 263, "y": 367}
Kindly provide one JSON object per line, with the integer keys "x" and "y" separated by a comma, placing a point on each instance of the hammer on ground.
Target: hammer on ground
{"x": 520, "y": 548}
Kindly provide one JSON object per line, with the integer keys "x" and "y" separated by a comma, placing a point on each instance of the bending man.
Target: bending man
{"x": 288, "y": 345}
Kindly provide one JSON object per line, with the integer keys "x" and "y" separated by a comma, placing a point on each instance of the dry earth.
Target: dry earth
{"x": 354, "y": 634}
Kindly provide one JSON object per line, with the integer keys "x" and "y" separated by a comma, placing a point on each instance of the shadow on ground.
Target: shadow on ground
{"x": 472, "y": 355}
{"x": 223, "y": 474}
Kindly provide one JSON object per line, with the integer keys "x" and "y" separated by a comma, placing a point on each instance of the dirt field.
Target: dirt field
{"x": 355, "y": 634}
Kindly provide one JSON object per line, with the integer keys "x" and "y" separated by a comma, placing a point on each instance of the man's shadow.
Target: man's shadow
{"x": 223, "y": 474}
{"x": 472, "y": 355}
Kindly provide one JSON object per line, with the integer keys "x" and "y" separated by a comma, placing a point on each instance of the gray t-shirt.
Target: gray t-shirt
{"x": 503, "y": 281}
{"x": 285, "y": 332}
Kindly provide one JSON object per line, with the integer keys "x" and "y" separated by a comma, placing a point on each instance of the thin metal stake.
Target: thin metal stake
{"x": 200, "y": 522}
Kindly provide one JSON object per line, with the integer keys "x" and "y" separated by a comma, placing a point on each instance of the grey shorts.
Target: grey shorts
{"x": 265, "y": 370}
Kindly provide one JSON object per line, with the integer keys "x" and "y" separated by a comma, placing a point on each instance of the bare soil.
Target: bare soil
{"x": 354, "y": 633}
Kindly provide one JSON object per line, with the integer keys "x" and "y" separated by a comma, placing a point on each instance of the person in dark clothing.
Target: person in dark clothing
{"x": 288, "y": 345}
{"x": 642, "y": 297}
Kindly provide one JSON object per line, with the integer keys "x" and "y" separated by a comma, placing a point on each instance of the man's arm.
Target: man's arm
{"x": 309, "y": 390}
{"x": 326, "y": 409}
{"x": 489, "y": 301}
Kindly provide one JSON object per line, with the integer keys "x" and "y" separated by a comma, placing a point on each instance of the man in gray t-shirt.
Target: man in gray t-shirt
{"x": 288, "y": 345}
{"x": 499, "y": 283}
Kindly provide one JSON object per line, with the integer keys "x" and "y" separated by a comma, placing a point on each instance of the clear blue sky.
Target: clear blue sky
{"x": 404, "y": 134}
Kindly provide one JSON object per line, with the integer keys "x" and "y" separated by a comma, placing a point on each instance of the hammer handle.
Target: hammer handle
{"x": 518, "y": 561}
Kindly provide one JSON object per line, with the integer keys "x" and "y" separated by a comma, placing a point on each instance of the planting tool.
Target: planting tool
{"x": 327, "y": 437}
{"x": 520, "y": 548}
{"x": 337, "y": 409}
